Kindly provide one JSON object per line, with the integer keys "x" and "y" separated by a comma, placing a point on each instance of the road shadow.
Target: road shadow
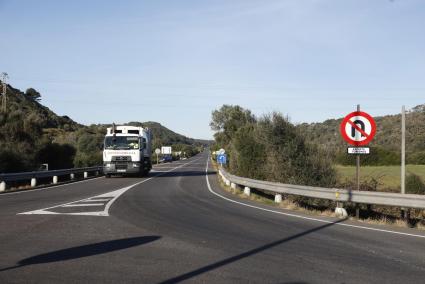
{"x": 246, "y": 254}
{"x": 84, "y": 251}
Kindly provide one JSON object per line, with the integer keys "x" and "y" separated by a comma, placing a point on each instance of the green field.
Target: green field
{"x": 387, "y": 176}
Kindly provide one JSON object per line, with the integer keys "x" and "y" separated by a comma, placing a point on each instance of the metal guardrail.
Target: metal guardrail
{"x": 32, "y": 176}
{"x": 339, "y": 195}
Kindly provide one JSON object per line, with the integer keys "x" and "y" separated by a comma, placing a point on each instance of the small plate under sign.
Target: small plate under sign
{"x": 358, "y": 150}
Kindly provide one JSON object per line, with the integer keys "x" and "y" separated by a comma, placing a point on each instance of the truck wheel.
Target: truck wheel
{"x": 107, "y": 175}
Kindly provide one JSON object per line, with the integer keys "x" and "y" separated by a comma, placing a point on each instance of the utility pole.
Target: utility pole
{"x": 4, "y": 77}
{"x": 404, "y": 213}
{"x": 403, "y": 150}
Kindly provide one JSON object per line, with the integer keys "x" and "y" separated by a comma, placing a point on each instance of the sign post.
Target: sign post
{"x": 358, "y": 129}
{"x": 404, "y": 212}
{"x": 222, "y": 159}
{"x": 157, "y": 151}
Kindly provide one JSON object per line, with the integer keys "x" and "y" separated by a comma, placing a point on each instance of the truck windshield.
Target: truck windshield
{"x": 121, "y": 142}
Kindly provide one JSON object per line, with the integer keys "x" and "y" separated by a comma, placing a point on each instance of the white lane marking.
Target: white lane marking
{"x": 111, "y": 196}
{"x": 49, "y": 187}
{"x": 96, "y": 200}
{"x": 84, "y": 205}
{"x": 303, "y": 217}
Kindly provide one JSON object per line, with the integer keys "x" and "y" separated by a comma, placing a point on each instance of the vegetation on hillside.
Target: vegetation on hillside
{"x": 31, "y": 135}
{"x": 385, "y": 148}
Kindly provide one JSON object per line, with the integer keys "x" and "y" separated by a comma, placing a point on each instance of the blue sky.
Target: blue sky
{"x": 176, "y": 61}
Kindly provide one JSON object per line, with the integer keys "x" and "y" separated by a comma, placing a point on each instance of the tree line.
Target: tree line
{"x": 269, "y": 148}
{"x": 385, "y": 147}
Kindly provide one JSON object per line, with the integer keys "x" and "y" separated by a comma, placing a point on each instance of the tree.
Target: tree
{"x": 58, "y": 156}
{"x": 10, "y": 161}
{"x": 228, "y": 119}
{"x": 33, "y": 94}
{"x": 270, "y": 148}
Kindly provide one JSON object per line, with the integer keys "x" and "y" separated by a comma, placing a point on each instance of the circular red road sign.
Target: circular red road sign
{"x": 358, "y": 128}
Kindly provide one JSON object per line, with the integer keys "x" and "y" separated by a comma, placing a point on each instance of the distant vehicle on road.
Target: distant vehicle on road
{"x": 127, "y": 150}
{"x": 166, "y": 159}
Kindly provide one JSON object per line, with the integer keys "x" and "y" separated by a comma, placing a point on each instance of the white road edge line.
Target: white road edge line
{"x": 304, "y": 217}
{"x": 115, "y": 194}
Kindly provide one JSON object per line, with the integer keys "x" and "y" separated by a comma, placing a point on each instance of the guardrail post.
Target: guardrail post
{"x": 233, "y": 185}
{"x": 247, "y": 191}
{"x": 86, "y": 174}
{"x": 227, "y": 182}
{"x": 341, "y": 212}
{"x": 405, "y": 216}
{"x": 278, "y": 198}
{"x": 33, "y": 182}
{"x": 71, "y": 176}
{"x": 2, "y": 186}
{"x": 55, "y": 179}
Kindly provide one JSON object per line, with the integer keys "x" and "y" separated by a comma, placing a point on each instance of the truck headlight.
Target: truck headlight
{"x": 135, "y": 165}
{"x": 108, "y": 165}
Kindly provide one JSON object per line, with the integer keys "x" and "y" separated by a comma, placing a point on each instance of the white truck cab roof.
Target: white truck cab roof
{"x": 125, "y": 130}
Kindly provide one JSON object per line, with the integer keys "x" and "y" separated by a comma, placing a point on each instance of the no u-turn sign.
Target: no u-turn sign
{"x": 358, "y": 128}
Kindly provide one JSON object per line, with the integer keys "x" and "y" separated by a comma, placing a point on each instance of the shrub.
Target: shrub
{"x": 414, "y": 184}
{"x": 270, "y": 148}
{"x": 378, "y": 157}
{"x": 58, "y": 156}
{"x": 11, "y": 162}
{"x": 417, "y": 158}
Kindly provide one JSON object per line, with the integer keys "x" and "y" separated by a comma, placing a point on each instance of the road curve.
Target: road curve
{"x": 172, "y": 227}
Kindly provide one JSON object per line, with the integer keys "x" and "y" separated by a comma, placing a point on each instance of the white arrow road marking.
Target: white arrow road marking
{"x": 95, "y": 200}
{"x": 111, "y": 197}
{"x": 83, "y": 205}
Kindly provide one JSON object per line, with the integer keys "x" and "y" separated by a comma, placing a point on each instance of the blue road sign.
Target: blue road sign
{"x": 222, "y": 159}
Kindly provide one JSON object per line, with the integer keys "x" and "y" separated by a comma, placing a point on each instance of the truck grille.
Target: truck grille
{"x": 121, "y": 166}
{"x": 121, "y": 158}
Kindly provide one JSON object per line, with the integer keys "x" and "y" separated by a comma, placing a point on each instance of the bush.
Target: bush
{"x": 249, "y": 155}
{"x": 58, "y": 156}
{"x": 11, "y": 162}
{"x": 88, "y": 159}
{"x": 417, "y": 158}
{"x": 414, "y": 184}
{"x": 270, "y": 148}
{"x": 378, "y": 157}
{"x": 33, "y": 94}
{"x": 289, "y": 158}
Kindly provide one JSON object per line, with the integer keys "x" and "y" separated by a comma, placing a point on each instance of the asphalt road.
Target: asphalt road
{"x": 172, "y": 227}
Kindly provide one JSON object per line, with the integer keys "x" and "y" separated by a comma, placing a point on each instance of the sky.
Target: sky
{"x": 175, "y": 62}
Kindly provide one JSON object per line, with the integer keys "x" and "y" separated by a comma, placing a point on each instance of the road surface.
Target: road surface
{"x": 177, "y": 225}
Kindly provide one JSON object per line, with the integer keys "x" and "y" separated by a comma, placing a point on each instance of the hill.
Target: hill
{"x": 31, "y": 134}
{"x": 386, "y": 144}
{"x": 164, "y": 136}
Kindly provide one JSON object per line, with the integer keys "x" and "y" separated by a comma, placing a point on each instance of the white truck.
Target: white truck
{"x": 127, "y": 150}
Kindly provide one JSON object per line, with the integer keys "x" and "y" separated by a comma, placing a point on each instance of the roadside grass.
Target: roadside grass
{"x": 387, "y": 177}
{"x": 376, "y": 216}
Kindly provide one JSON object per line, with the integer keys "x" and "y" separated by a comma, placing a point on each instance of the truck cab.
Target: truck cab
{"x": 127, "y": 150}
